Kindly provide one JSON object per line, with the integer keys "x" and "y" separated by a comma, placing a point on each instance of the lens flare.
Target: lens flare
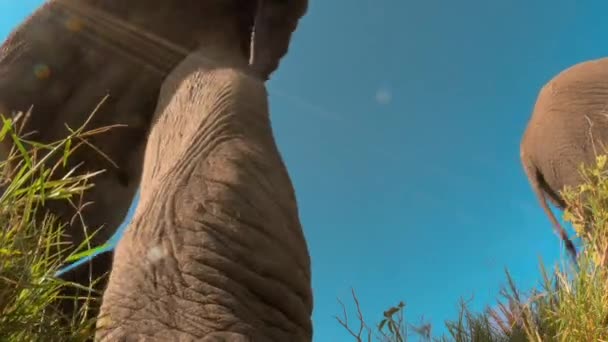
{"x": 73, "y": 24}
{"x": 42, "y": 71}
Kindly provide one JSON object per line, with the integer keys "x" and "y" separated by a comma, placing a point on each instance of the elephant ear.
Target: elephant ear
{"x": 541, "y": 190}
{"x": 275, "y": 21}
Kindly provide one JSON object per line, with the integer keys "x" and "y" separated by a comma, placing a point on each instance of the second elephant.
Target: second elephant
{"x": 568, "y": 128}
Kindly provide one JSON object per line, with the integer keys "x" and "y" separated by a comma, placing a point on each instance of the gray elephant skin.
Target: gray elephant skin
{"x": 568, "y": 128}
{"x": 215, "y": 250}
{"x": 69, "y": 54}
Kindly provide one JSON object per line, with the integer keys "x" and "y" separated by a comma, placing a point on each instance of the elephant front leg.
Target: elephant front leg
{"x": 215, "y": 250}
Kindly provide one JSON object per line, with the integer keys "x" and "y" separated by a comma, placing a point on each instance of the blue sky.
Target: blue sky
{"x": 400, "y": 124}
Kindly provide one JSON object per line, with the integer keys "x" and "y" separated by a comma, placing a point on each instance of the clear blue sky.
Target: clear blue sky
{"x": 400, "y": 123}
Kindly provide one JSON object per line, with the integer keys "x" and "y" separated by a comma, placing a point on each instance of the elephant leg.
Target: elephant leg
{"x": 274, "y": 24}
{"x": 215, "y": 251}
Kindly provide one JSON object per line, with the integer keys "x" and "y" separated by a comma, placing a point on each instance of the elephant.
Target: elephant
{"x": 66, "y": 56}
{"x": 215, "y": 250}
{"x": 567, "y": 129}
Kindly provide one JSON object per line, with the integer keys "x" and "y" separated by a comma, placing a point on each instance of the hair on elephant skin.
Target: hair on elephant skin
{"x": 568, "y": 127}
{"x": 215, "y": 251}
{"x": 69, "y": 54}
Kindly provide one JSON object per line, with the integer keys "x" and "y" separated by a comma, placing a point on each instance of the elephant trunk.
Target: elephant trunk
{"x": 215, "y": 249}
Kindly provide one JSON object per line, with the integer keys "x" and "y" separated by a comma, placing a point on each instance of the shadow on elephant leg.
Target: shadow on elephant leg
{"x": 96, "y": 271}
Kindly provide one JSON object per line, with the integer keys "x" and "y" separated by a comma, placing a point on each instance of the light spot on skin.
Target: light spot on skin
{"x": 103, "y": 322}
{"x": 42, "y": 71}
{"x": 73, "y": 24}
{"x": 383, "y": 96}
{"x": 553, "y": 89}
{"x": 155, "y": 254}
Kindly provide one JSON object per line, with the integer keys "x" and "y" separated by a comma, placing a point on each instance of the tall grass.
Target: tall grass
{"x": 31, "y": 251}
{"x": 570, "y": 305}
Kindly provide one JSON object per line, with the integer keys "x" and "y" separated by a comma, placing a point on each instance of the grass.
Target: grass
{"x": 31, "y": 251}
{"x": 570, "y": 305}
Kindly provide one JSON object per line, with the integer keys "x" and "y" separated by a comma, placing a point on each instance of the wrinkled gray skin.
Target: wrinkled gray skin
{"x": 121, "y": 48}
{"x": 568, "y": 127}
{"x": 215, "y": 251}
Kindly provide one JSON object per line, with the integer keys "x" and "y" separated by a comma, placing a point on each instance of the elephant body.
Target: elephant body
{"x": 215, "y": 250}
{"x": 69, "y": 54}
{"x": 568, "y": 127}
